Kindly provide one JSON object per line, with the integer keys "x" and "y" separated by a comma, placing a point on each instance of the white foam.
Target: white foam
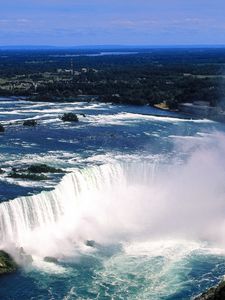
{"x": 47, "y": 267}
{"x": 172, "y": 249}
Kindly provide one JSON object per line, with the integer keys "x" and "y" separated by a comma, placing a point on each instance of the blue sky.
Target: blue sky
{"x": 102, "y": 22}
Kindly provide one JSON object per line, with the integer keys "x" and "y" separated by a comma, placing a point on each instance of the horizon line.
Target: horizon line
{"x": 99, "y": 46}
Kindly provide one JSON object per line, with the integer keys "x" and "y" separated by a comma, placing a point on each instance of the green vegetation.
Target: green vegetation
{"x": 150, "y": 76}
{"x": 43, "y": 168}
{"x": 29, "y": 176}
{"x": 7, "y": 264}
{"x": 34, "y": 172}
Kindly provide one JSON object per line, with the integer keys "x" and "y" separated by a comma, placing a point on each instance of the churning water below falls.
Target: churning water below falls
{"x": 138, "y": 214}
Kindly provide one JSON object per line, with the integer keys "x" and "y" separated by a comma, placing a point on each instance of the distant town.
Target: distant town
{"x": 189, "y": 80}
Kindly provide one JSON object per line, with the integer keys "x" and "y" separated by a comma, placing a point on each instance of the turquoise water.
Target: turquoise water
{"x": 147, "y": 189}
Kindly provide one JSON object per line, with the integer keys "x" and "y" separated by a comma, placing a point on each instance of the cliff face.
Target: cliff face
{"x": 215, "y": 293}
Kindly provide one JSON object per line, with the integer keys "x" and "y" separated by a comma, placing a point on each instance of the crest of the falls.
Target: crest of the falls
{"x": 83, "y": 197}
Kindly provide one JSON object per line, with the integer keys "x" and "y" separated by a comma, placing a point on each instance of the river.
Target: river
{"x": 144, "y": 187}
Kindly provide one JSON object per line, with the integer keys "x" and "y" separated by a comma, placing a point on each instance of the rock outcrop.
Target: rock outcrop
{"x": 29, "y": 176}
{"x": 34, "y": 172}
{"x": 90, "y": 243}
{"x": 51, "y": 259}
{"x": 43, "y": 168}
{"x": 2, "y": 129}
{"x": 69, "y": 117}
{"x": 30, "y": 123}
{"x": 215, "y": 293}
{"x": 24, "y": 258}
{"x": 7, "y": 264}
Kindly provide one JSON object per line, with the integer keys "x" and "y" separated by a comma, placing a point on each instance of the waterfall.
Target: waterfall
{"x": 86, "y": 196}
{"x": 24, "y": 215}
{"x": 120, "y": 202}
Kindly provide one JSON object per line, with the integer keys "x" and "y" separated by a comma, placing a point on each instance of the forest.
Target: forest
{"x": 137, "y": 76}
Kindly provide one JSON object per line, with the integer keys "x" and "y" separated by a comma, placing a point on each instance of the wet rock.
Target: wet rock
{"x": 29, "y": 176}
{"x": 51, "y": 259}
{"x": 90, "y": 243}
{"x": 7, "y": 264}
{"x": 69, "y": 117}
{"x": 215, "y": 293}
{"x": 2, "y": 129}
{"x": 34, "y": 172}
{"x": 24, "y": 258}
{"x": 30, "y": 123}
{"x": 43, "y": 168}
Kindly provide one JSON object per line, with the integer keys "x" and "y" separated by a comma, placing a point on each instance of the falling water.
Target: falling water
{"x": 119, "y": 202}
{"x": 22, "y": 218}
